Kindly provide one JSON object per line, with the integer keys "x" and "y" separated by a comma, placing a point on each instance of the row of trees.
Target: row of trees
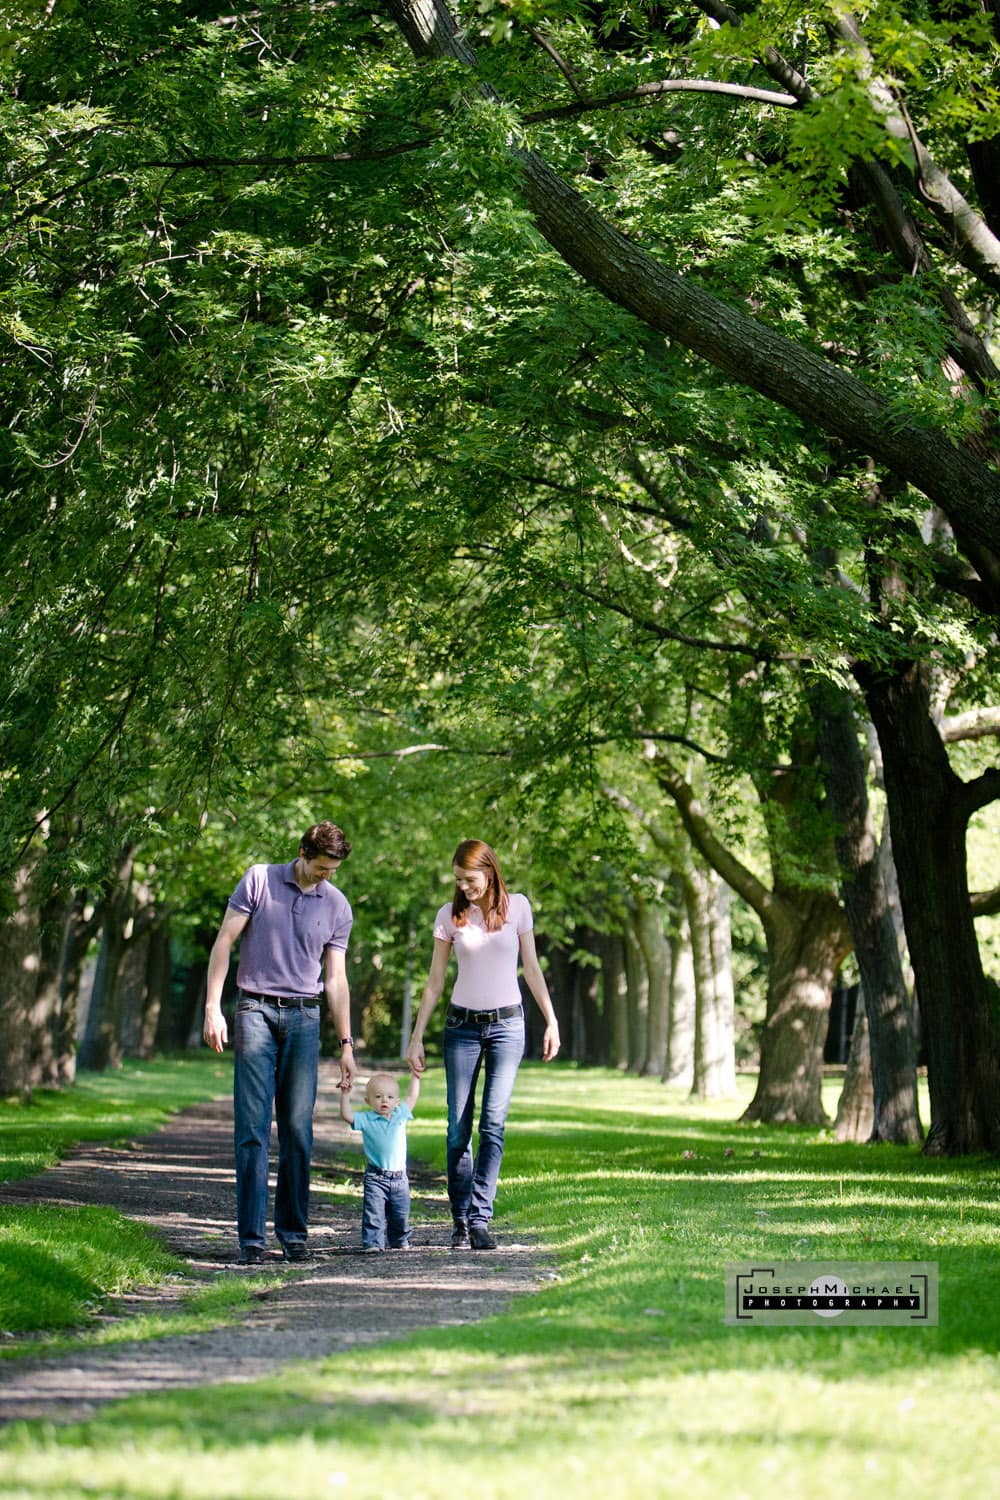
{"x": 606, "y": 407}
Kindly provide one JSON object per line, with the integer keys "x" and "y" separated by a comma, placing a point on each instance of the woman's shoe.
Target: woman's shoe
{"x": 460, "y": 1235}
{"x": 480, "y": 1237}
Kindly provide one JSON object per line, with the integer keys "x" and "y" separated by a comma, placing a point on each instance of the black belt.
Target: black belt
{"x": 484, "y": 1017}
{"x": 286, "y": 1002}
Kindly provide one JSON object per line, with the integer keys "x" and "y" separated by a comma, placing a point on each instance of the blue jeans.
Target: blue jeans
{"x": 277, "y": 1061}
{"x": 385, "y": 1216}
{"x": 495, "y": 1050}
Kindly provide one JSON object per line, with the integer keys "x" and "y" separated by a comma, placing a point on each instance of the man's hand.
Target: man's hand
{"x": 215, "y": 1031}
{"x": 348, "y": 1068}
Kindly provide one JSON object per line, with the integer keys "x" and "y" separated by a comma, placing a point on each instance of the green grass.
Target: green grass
{"x": 203, "y": 1307}
{"x": 58, "y": 1265}
{"x": 114, "y": 1106}
{"x": 620, "y": 1377}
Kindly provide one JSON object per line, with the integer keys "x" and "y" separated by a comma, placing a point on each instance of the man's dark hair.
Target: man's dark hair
{"x": 324, "y": 838}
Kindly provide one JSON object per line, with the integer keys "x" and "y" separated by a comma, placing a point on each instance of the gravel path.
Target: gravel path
{"x": 180, "y": 1183}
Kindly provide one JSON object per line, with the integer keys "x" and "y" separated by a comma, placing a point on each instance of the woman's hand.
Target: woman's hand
{"x": 415, "y": 1060}
{"x": 550, "y": 1042}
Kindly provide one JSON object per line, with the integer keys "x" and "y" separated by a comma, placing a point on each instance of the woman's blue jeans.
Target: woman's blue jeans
{"x": 495, "y": 1050}
{"x": 276, "y": 1064}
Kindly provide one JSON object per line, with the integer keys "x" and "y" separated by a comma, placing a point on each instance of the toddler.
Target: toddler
{"x": 385, "y": 1217}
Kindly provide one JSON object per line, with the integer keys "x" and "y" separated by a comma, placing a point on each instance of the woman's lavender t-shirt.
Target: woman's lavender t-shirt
{"x": 487, "y": 961}
{"x": 282, "y": 946}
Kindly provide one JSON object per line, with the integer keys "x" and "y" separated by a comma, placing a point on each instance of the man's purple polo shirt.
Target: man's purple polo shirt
{"x": 282, "y": 946}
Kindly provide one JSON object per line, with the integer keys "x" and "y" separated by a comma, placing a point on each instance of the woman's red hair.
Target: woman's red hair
{"x": 473, "y": 854}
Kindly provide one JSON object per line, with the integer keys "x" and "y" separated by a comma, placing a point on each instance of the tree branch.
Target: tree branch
{"x": 644, "y": 93}
{"x": 976, "y": 724}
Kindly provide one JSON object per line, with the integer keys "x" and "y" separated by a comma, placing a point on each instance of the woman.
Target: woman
{"x": 489, "y": 930}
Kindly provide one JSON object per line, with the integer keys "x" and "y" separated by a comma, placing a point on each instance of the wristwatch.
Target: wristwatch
{"x": 347, "y": 1041}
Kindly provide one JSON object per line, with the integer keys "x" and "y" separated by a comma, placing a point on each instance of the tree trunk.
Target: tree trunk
{"x": 656, "y": 956}
{"x": 679, "y": 1071}
{"x": 929, "y": 808}
{"x": 706, "y": 898}
{"x": 79, "y": 931}
{"x": 856, "y": 1108}
{"x": 18, "y": 972}
{"x": 615, "y": 987}
{"x": 44, "y": 1019}
{"x": 101, "y": 1046}
{"x": 158, "y": 973}
{"x": 806, "y": 945}
{"x": 593, "y": 1047}
{"x": 638, "y": 1001}
{"x": 892, "y": 1041}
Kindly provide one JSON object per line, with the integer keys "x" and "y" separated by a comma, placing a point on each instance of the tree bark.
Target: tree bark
{"x": 679, "y": 1071}
{"x": 18, "y": 966}
{"x": 158, "y": 975}
{"x": 929, "y": 808}
{"x": 706, "y": 898}
{"x": 806, "y": 945}
{"x": 807, "y": 940}
{"x": 101, "y": 1046}
{"x": 614, "y": 983}
{"x": 638, "y": 1001}
{"x": 856, "y": 1107}
{"x": 892, "y": 1040}
{"x": 656, "y": 956}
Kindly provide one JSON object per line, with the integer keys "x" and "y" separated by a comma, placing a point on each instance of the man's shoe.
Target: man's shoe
{"x": 460, "y": 1235}
{"x": 297, "y": 1251}
{"x": 251, "y": 1255}
{"x": 480, "y": 1237}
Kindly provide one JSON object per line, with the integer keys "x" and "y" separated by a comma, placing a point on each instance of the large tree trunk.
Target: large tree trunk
{"x": 806, "y": 945}
{"x": 891, "y": 1035}
{"x": 929, "y": 809}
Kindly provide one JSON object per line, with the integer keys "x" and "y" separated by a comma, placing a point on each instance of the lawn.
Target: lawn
{"x": 58, "y": 1264}
{"x": 619, "y": 1376}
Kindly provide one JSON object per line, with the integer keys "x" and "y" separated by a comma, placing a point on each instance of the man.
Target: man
{"x": 293, "y": 927}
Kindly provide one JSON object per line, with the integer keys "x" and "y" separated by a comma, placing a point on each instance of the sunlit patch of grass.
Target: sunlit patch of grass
{"x": 202, "y": 1309}
{"x": 113, "y": 1106}
{"x": 58, "y": 1264}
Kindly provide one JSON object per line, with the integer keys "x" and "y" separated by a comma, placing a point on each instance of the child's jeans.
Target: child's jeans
{"x": 385, "y": 1216}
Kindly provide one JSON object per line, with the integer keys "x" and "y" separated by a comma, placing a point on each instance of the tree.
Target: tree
{"x": 956, "y": 476}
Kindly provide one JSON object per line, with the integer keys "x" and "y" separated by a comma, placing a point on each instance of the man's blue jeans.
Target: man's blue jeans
{"x": 495, "y": 1050}
{"x": 385, "y": 1216}
{"x": 277, "y": 1060}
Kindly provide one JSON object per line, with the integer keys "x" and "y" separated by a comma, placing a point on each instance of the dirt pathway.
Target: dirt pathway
{"x": 180, "y": 1183}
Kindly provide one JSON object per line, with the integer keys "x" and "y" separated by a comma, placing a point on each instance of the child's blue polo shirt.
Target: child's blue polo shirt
{"x": 384, "y": 1139}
